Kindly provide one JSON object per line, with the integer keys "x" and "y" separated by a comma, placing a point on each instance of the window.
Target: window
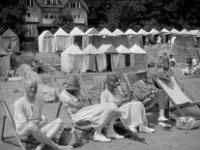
{"x": 79, "y": 16}
{"x": 46, "y": 16}
{"x": 74, "y": 16}
{"x": 29, "y": 2}
{"x": 78, "y": 5}
{"x": 30, "y": 32}
{"x": 51, "y": 16}
{"x": 73, "y": 5}
{"x": 54, "y": 2}
{"x": 47, "y": 2}
{"x": 28, "y": 14}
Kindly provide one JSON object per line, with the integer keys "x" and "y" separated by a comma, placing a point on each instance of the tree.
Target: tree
{"x": 64, "y": 20}
{"x": 12, "y": 15}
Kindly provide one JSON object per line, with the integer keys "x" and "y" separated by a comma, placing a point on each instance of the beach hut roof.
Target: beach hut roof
{"x": 61, "y": 32}
{"x": 92, "y": 31}
{"x": 106, "y": 32}
{"x": 174, "y": 31}
{"x": 122, "y": 49}
{"x": 107, "y": 48}
{"x": 46, "y": 33}
{"x": 164, "y": 30}
{"x": 90, "y": 49}
{"x": 194, "y": 32}
{"x": 9, "y": 33}
{"x": 130, "y": 32}
{"x": 137, "y": 49}
{"x": 154, "y": 31}
{"x": 73, "y": 50}
{"x": 76, "y": 32}
{"x": 117, "y": 32}
{"x": 142, "y": 32}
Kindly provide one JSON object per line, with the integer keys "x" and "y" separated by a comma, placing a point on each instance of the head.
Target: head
{"x": 165, "y": 54}
{"x": 31, "y": 87}
{"x": 112, "y": 81}
{"x": 144, "y": 77}
{"x": 72, "y": 84}
{"x": 170, "y": 56}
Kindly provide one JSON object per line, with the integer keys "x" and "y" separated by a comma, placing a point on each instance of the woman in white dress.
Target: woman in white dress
{"x": 100, "y": 115}
{"x": 133, "y": 112}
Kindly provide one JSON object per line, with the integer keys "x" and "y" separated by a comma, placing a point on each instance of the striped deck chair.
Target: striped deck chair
{"x": 30, "y": 142}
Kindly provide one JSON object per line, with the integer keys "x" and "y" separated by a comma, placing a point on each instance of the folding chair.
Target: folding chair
{"x": 29, "y": 142}
{"x": 179, "y": 96}
{"x": 84, "y": 126}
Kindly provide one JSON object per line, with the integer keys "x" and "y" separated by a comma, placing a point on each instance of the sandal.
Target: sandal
{"x": 164, "y": 123}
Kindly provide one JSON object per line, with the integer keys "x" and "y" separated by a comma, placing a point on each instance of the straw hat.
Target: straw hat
{"x": 72, "y": 83}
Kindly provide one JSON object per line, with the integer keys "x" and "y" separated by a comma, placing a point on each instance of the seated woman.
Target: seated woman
{"x": 100, "y": 115}
{"x": 133, "y": 113}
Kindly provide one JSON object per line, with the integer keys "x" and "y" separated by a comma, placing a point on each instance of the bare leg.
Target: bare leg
{"x": 32, "y": 129}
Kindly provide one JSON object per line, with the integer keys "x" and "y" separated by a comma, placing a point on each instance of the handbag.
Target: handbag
{"x": 187, "y": 123}
{"x": 68, "y": 138}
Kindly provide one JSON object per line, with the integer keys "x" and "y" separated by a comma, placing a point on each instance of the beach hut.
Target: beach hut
{"x": 123, "y": 57}
{"x": 10, "y": 41}
{"x": 144, "y": 35}
{"x": 138, "y": 57}
{"x": 185, "y": 40}
{"x": 108, "y": 60}
{"x": 91, "y": 33}
{"x": 4, "y": 62}
{"x": 46, "y": 42}
{"x": 72, "y": 59}
{"x": 62, "y": 40}
{"x": 78, "y": 37}
{"x": 90, "y": 58}
{"x": 105, "y": 37}
{"x": 133, "y": 38}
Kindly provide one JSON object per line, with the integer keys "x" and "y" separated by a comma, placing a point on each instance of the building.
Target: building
{"x": 40, "y": 14}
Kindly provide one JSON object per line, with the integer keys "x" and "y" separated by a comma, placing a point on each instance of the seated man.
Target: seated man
{"x": 100, "y": 115}
{"x": 30, "y": 121}
{"x": 133, "y": 112}
{"x": 151, "y": 96}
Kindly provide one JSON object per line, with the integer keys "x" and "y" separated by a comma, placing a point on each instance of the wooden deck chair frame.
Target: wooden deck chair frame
{"x": 12, "y": 125}
{"x": 85, "y": 128}
{"x": 178, "y": 107}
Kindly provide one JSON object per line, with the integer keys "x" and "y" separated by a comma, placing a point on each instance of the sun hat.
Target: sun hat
{"x": 112, "y": 79}
{"x": 72, "y": 83}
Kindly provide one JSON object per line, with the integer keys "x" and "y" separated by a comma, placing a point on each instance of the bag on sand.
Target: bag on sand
{"x": 69, "y": 138}
{"x": 187, "y": 123}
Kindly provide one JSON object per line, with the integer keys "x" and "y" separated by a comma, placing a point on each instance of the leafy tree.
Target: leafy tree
{"x": 64, "y": 20}
{"x": 12, "y": 15}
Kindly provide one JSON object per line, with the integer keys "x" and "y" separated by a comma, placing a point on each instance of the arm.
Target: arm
{"x": 103, "y": 98}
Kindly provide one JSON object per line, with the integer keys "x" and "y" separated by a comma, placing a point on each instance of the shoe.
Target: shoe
{"x": 146, "y": 129}
{"x": 101, "y": 138}
{"x": 133, "y": 130}
{"x": 164, "y": 124}
{"x": 114, "y": 135}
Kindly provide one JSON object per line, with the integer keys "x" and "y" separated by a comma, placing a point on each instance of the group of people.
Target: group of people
{"x": 129, "y": 108}
{"x": 166, "y": 62}
{"x": 192, "y": 66}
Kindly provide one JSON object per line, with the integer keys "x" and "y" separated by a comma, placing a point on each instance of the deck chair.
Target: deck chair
{"x": 29, "y": 142}
{"x": 84, "y": 126}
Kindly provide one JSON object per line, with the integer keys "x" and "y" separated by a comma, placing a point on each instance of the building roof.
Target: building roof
{"x": 9, "y": 33}
{"x": 105, "y": 32}
{"x": 153, "y": 31}
{"x": 107, "y": 48}
{"x": 117, "y": 32}
{"x": 63, "y": 3}
{"x": 137, "y": 49}
{"x": 90, "y": 49}
{"x": 142, "y": 32}
{"x": 61, "y": 32}
{"x": 130, "y": 32}
{"x": 92, "y": 31}
{"x": 73, "y": 50}
{"x": 76, "y": 32}
{"x": 123, "y": 50}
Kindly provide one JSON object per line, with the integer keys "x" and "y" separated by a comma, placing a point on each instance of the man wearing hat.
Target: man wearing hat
{"x": 29, "y": 120}
{"x": 133, "y": 113}
{"x": 100, "y": 115}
